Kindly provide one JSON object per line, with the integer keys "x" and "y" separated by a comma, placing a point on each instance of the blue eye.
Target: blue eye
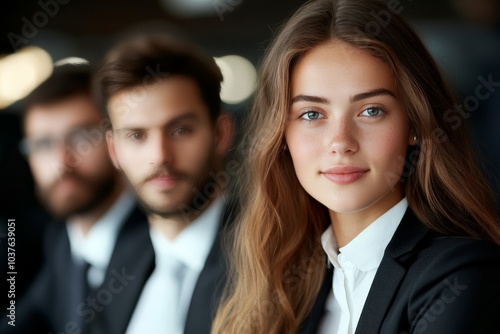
{"x": 372, "y": 112}
{"x": 311, "y": 115}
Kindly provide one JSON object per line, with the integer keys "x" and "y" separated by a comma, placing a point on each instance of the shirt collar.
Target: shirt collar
{"x": 194, "y": 243}
{"x": 366, "y": 250}
{"x": 97, "y": 246}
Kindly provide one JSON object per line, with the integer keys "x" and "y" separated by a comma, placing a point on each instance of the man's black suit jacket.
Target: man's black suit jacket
{"x": 427, "y": 283}
{"x": 46, "y": 308}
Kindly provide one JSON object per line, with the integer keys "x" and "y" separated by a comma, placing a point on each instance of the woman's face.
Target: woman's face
{"x": 347, "y": 131}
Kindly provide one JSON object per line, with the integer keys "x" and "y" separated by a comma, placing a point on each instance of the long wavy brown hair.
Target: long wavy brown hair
{"x": 278, "y": 262}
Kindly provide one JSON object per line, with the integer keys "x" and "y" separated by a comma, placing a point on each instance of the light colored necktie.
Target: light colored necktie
{"x": 159, "y": 311}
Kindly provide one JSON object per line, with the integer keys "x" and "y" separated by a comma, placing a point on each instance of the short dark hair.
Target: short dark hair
{"x": 135, "y": 61}
{"x": 64, "y": 82}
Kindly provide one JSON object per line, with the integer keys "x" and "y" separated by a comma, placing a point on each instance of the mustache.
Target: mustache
{"x": 68, "y": 176}
{"x": 48, "y": 191}
{"x": 165, "y": 171}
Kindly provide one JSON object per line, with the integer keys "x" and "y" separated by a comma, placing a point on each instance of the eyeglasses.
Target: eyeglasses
{"x": 78, "y": 140}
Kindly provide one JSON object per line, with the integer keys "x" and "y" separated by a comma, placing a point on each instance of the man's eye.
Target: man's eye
{"x": 137, "y": 136}
{"x": 76, "y": 138}
{"x": 43, "y": 144}
{"x": 182, "y": 131}
{"x": 38, "y": 146}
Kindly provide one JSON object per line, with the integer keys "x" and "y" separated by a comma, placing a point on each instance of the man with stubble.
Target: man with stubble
{"x": 169, "y": 138}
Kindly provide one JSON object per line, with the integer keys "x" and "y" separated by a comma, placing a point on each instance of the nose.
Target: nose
{"x": 64, "y": 159}
{"x": 342, "y": 138}
{"x": 161, "y": 151}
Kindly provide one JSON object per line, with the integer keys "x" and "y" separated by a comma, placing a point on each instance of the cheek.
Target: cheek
{"x": 197, "y": 152}
{"x": 129, "y": 159}
{"x": 43, "y": 172}
{"x": 101, "y": 152}
{"x": 97, "y": 156}
{"x": 303, "y": 150}
{"x": 391, "y": 151}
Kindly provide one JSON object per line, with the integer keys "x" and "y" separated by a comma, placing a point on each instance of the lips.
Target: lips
{"x": 164, "y": 181}
{"x": 343, "y": 174}
{"x": 67, "y": 184}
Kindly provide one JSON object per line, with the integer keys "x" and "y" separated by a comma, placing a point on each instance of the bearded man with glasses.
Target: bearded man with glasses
{"x": 94, "y": 246}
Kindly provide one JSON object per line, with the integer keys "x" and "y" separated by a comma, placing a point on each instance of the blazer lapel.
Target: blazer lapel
{"x": 130, "y": 266}
{"x": 391, "y": 272}
{"x": 208, "y": 289}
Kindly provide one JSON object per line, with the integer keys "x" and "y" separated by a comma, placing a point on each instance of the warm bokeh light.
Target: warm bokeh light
{"x": 239, "y": 78}
{"x": 189, "y": 8}
{"x": 22, "y": 72}
{"x": 72, "y": 61}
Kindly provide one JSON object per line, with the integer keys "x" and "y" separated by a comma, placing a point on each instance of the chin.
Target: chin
{"x": 345, "y": 210}
{"x": 70, "y": 206}
{"x": 63, "y": 213}
{"x": 346, "y": 206}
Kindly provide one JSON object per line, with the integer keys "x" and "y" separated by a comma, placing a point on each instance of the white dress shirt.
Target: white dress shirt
{"x": 97, "y": 246}
{"x": 165, "y": 299}
{"x": 355, "y": 266}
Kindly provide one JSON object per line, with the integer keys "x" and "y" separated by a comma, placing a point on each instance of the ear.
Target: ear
{"x": 224, "y": 132}
{"x": 413, "y": 139}
{"x": 111, "y": 148}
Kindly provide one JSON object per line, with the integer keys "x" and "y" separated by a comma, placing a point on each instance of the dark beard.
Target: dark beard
{"x": 191, "y": 208}
{"x": 101, "y": 189}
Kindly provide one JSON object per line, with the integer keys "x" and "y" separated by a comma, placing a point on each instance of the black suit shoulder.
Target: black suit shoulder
{"x": 452, "y": 286}
{"x": 449, "y": 253}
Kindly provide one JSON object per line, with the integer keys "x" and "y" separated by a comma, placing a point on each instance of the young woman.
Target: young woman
{"x": 354, "y": 168}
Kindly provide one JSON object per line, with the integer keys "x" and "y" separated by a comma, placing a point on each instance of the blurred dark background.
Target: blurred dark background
{"x": 464, "y": 36}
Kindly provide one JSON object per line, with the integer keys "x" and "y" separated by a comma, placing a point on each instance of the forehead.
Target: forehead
{"x": 61, "y": 116}
{"x": 345, "y": 67}
{"x": 155, "y": 104}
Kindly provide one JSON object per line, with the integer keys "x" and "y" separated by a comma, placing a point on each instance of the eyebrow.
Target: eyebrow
{"x": 355, "y": 98}
{"x": 375, "y": 92}
{"x": 73, "y": 129}
{"x": 310, "y": 98}
{"x": 172, "y": 122}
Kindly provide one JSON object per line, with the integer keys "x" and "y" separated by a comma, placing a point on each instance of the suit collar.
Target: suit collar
{"x": 130, "y": 266}
{"x": 366, "y": 250}
{"x": 193, "y": 244}
{"x": 96, "y": 248}
{"x": 408, "y": 235}
{"x": 208, "y": 289}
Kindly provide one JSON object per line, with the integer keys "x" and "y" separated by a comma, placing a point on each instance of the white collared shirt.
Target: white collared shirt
{"x": 190, "y": 248}
{"x": 97, "y": 246}
{"x": 355, "y": 267}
